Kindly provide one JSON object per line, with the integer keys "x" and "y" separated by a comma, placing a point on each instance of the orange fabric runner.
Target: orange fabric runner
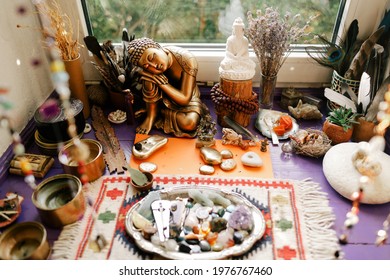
{"x": 180, "y": 156}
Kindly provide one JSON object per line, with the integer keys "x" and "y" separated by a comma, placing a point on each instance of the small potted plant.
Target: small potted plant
{"x": 338, "y": 126}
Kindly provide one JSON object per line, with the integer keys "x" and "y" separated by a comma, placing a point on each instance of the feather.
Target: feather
{"x": 93, "y": 46}
{"x": 340, "y": 99}
{"x": 372, "y": 111}
{"x": 385, "y": 21}
{"x": 126, "y": 39}
{"x": 110, "y": 82}
{"x": 348, "y": 90}
{"x": 125, "y": 35}
{"x": 373, "y": 68}
{"x": 349, "y": 46}
{"x": 328, "y": 54}
{"x": 364, "y": 91}
{"x": 125, "y": 43}
{"x": 239, "y": 128}
{"x": 360, "y": 60}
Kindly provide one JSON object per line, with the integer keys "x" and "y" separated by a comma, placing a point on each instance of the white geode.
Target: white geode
{"x": 344, "y": 178}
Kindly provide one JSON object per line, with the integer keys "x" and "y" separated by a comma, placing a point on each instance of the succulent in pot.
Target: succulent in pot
{"x": 338, "y": 126}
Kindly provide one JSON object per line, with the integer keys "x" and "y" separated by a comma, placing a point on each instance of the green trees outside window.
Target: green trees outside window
{"x": 195, "y": 21}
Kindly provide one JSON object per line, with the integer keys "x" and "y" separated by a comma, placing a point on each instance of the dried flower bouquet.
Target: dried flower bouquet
{"x": 60, "y": 29}
{"x": 271, "y": 36}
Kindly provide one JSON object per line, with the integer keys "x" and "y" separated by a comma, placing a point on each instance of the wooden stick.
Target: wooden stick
{"x": 5, "y": 216}
{"x": 9, "y": 212}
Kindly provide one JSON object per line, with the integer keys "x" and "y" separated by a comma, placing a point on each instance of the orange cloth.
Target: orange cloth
{"x": 180, "y": 156}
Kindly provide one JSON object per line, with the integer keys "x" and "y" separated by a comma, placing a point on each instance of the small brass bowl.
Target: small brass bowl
{"x": 24, "y": 241}
{"x": 60, "y": 200}
{"x": 94, "y": 166}
{"x": 147, "y": 186}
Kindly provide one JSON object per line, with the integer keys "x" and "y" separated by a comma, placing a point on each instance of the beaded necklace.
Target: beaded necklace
{"x": 224, "y": 101}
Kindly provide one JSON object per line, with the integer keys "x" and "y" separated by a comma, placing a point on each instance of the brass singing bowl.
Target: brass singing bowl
{"x": 59, "y": 200}
{"x": 94, "y": 165}
{"x": 24, "y": 241}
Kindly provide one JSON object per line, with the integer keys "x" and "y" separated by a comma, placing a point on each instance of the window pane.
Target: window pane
{"x": 195, "y": 21}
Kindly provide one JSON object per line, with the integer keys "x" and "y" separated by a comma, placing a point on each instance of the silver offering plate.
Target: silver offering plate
{"x": 266, "y": 118}
{"x": 182, "y": 192}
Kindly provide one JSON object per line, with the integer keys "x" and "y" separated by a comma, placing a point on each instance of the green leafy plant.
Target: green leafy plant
{"x": 343, "y": 117}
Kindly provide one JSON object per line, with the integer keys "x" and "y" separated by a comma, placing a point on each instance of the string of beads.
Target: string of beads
{"x": 384, "y": 122}
{"x": 365, "y": 164}
{"x": 224, "y": 101}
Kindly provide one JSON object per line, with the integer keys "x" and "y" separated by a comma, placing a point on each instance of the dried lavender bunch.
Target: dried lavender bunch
{"x": 271, "y": 36}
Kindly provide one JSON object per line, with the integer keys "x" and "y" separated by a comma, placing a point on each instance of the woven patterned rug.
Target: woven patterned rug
{"x": 298, "y": 218}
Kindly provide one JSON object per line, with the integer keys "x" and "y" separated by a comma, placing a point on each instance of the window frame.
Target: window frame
{"x": 298, "y": 70}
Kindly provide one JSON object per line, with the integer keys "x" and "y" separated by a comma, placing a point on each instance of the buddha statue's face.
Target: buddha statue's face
{"x": 154, "y": 60}
{"x": 238, "y": 30}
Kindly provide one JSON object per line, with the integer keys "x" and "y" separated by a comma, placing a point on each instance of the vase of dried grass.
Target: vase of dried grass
{"x": 77, "y": 83}
{"x": 267, "y": 91}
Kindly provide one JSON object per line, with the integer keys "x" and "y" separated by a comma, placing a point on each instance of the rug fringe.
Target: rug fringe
{"x": 62, "y": 247}
{"x": 319, "y": 217}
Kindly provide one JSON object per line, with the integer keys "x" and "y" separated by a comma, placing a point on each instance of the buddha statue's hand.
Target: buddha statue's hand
{"x": 159, "y": 79}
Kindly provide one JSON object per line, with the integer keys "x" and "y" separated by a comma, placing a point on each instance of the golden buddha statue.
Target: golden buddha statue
{"x": 169, "y": 89}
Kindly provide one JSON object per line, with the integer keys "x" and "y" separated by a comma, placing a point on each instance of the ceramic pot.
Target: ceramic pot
{"x": 123, "y": 101}
{"x": 146, "y": 186}
{"x": 24, "y": 241}
{"x": 120, "y": 100}
{"x": 336, "y": 133}
{"x": 363, "y": 131}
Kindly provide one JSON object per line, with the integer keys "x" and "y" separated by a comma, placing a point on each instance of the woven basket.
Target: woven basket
{"x": 337, "y": 80}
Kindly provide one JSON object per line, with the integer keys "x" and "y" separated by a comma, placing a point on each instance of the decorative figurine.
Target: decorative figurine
{"x": 230, "y": 137}
{"x": 236, "y": 64}
{"x": 305, "y": 111}
{"x": 206, "y": 132}
{"x": 234, "y": 96}
{"x": 263, "y": 145}
{"x": 169, "y": 89}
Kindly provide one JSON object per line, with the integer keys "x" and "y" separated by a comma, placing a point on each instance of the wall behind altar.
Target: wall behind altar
{"x": 20, "y": 48}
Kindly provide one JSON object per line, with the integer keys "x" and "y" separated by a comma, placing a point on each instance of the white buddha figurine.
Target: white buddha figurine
{"x": 237, "y": 65}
